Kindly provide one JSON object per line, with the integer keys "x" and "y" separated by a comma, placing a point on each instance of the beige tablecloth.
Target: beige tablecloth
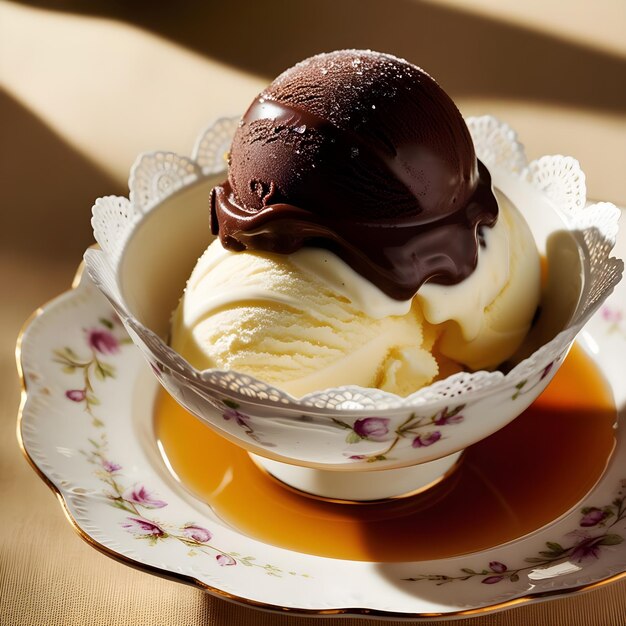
{"x": 89, "y": 86}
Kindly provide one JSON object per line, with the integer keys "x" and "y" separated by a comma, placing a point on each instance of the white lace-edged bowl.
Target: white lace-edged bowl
{"x": 150, "y": 242}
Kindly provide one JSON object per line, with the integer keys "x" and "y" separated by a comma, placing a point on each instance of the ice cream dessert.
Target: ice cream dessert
{"x": 359, "y": 238}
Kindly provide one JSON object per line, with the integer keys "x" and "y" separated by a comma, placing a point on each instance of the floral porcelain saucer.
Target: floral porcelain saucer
{"x": 85, "y": 426}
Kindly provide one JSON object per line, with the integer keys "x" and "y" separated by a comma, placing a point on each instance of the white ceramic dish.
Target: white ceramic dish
{"x": 85, "y": 427}
{"x": 151, "y": 241}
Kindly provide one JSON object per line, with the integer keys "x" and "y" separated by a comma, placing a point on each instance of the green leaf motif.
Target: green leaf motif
{"x": 555, "y": 547}
{"x": 611, "y": 540}
{"x": 107, "y": 370}
{"x": 107, "y": 323}
{"x": 120, "y": 505}
{"x": 271, "y": 568}
{"x": 352, "y": 437}
{"x": 454, "y": 411}
{"x": 231, "y": 404}
{"x": 609, "y": 510}
{"x": 378, "y": 457}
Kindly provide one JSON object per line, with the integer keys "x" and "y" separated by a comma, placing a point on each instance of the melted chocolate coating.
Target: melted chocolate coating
{"x": 365, "y": 155}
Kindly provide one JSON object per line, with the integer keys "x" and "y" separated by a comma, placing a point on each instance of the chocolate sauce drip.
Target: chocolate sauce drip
{"x": 386, "y": 178}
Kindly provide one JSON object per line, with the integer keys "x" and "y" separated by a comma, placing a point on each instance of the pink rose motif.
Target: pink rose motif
{"x": 197, "y": 533}
{"x": 372, "y": 428}
{"x": 593, "y": 516}
{"x": 225, "y": 560}
{"x": 76, "y": 395}
{"x": 546, "y": 370}
{"x": 422, "y": 441}
{"x": 496, "y": 566}
{"x": 110, "y": 467}
{"x": 490, "y": 580}
{"x": 233, "y": 414}
{"x": 587, "y": 548}
{"x": 141, "y": 496}
{"x": 611, "y": 315}
{"x": 102, "y": 341}
{"x": 139, "y": 526}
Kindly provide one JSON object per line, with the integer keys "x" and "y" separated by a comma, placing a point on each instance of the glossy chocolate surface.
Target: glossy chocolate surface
{"x": 365, "y": 155}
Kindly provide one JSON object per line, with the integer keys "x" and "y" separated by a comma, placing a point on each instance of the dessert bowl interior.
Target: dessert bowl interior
{"x": 158, "y": 258}
{"x": 160, "y": 254}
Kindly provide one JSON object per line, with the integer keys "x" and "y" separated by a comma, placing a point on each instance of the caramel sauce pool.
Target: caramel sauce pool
{"x": 509, "y": 484}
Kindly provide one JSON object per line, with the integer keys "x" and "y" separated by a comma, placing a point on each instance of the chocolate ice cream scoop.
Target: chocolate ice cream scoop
{"x": 364, "y": 154}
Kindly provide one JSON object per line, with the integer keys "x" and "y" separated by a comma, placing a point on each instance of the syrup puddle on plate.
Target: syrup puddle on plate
{"x": 515, "y": 481}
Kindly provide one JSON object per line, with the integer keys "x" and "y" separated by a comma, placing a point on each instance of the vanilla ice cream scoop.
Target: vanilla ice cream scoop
{"x": 482, "y": 320}
{"x": 308, "y": 321}
{"x": 260, "y": 314}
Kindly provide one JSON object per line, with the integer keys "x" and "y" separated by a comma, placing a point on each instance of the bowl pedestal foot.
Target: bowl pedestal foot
{"x": 360, "y": 486}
